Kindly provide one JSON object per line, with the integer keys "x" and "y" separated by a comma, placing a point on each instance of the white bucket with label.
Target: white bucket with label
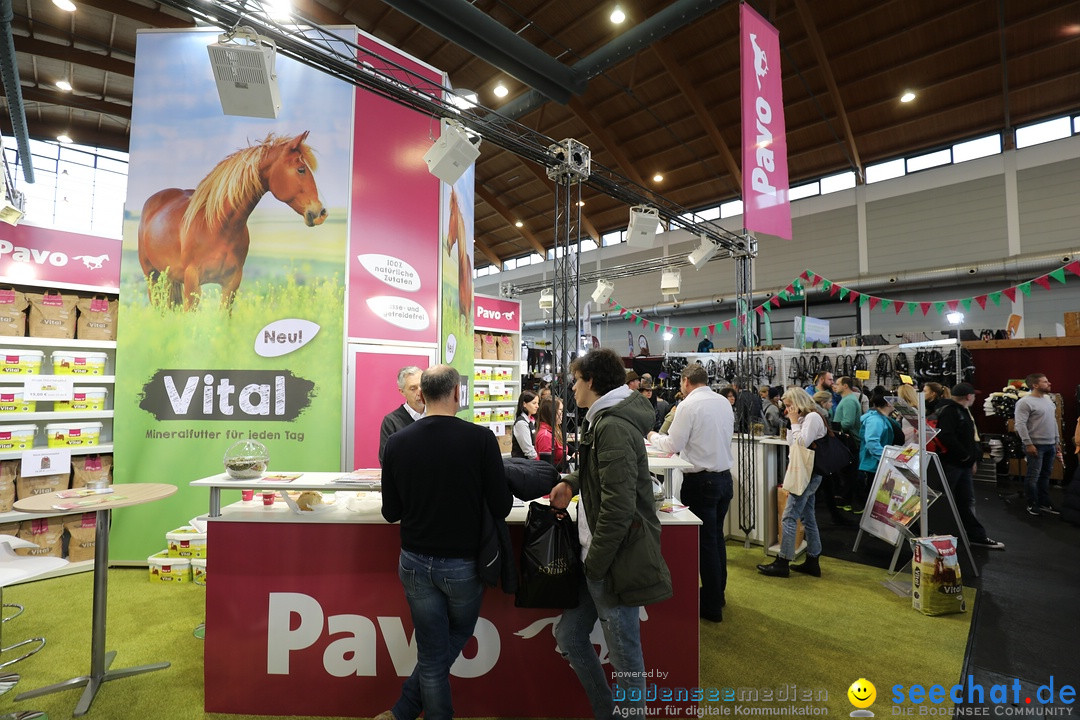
{"x": 198, "y": 571}
{"x": 167, "y": 569}
{"x": 186, "y": 542}
{"x": 17, "y": 361}
{"x": 72, "y": 362}
{"x": 17, "y": 437}
{"x": 73, "y": 434}
{"x": 90, "y": 399}
{"x": 11, "y": 400}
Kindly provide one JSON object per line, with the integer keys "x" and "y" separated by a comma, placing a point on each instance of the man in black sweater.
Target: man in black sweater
{"x": 438, "y": 474}
{"x": 401, "y": 417}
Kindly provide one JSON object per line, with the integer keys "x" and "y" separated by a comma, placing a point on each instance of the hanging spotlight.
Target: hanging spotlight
{"x": 63, "y": 85}
{"x": 501, "y": 91}
{"x": 642, "y": 229}
{"x": 955, "y": 317}
{"x": 547, "y": 299}
{"x": 703, "y": 253}
{"x": 452, "y": 153}
{"x": 670, "y": 282}
{"x": 246, "y": 80}
{"x": 617, "y": 15}
{"x": 603, "y": 291}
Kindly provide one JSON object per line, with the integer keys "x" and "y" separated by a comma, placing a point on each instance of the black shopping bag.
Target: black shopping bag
{"x": 550, "y": 560}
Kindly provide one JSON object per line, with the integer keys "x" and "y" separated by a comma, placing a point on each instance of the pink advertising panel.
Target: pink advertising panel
{"x": 373, "y": 393}
{"x": 39, "y": 256}
{"x": 394, "y": 234}
{"x": 330, "y": 634}
{"x": 766, "y": 207}
{"x": 497, "y": 314}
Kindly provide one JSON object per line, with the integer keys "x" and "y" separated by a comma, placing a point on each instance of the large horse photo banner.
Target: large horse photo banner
{"x": 232, "y": 280}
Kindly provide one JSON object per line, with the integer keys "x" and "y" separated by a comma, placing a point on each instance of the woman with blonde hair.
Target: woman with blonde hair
{"x": 909, "y": 395}
{"x": 807, "y": 427}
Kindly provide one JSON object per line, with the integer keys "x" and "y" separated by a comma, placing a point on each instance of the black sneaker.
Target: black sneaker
{"x": 1049, "y": 509}
{"x": 989, "y": 543}
{"x": 1032, "y": 510}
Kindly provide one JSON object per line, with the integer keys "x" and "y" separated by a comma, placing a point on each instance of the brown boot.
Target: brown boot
{"x": 777, "y": 568}
{"x": 809, "y": 566}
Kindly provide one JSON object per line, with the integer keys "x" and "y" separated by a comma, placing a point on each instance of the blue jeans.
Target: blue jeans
{"x": 444, "y": 597}
{"x": 1039, "y": 466}
{"x": 962, "y": 484}
{"x": 622, "y": 633}
{"x": 801, "y": 507}
{"x": 708, "y": 496}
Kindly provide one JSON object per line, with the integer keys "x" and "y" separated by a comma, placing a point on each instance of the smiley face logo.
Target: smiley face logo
{"x": 862, "y": 693}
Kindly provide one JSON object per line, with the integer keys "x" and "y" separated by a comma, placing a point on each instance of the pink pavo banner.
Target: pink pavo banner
{"x": 766, "y": 207}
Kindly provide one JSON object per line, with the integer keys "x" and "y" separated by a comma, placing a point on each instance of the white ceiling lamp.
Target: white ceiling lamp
{"x": 64, "y": 138}
{"x": 703, "y": 253}
{"x": 547, "y": 299}
{"x": 617, "y": 15}
{"x": 955, "y": 317}
{"x": 452, "y": 153}
{"x": 65, "y": 5}
{"x": 907, "y": 97}
{"x": 658, "y": 178}
{"x": 501, "y": 91}
{"x": 670, "y": 282}
{"x": 63, "y": 85}
{"x": 603, "y": 291}
{"x": 642, "y": 229}
{"x": 519, "y": 224}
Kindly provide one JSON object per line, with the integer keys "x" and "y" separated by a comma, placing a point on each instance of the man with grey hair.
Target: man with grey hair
{"x": 408, "y": 384}
{"x": 439, "y": 476}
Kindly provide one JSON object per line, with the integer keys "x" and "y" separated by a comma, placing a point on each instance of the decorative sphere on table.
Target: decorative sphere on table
{"x": 246, "y": 459}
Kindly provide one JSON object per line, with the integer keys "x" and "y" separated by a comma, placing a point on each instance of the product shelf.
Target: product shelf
{"x": 19, "y": 378}
{"x": 478, "y": 361}
{"x": 50, "y": 415}
{"x": 76, "y": 450}
{"x": 489, "y": 382}
{"x": 495, "y": 403}
{"x": 31, "y": 342}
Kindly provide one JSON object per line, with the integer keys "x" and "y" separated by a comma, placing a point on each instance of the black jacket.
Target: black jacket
{"x": 528, "y": 478}
{"x": 398, "y": 419}
{"x": 956, "y": 434}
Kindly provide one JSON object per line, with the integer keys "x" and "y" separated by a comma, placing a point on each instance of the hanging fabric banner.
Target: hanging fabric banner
{"x": 766, "y": 207}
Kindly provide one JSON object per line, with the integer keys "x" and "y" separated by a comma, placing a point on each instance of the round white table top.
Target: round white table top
{"x": 121, "y": 496}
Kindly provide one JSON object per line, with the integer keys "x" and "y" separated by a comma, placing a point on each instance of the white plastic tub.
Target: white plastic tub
{"x": 11, "y": 400}
{"x": 169, "y": 569}
{"x": 89, "y": 399}
{"x": 18, "y": 361}
{"x": 17, "y": 437}
{"x": 186, "y": 542}
{"x": 73, "y": 434}
{"x": 198, "y": 571}
{"x": 71, "y": 362}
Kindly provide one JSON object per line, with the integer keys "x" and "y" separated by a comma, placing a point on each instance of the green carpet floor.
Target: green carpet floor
{"x": 819, "y": 635}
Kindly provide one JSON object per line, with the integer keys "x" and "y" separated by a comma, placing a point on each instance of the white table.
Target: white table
{"x": 322, "y": 481}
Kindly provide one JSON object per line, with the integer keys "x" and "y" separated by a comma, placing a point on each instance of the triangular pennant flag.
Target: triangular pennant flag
{"x": 966, "y": 304}
{"x": 816, "y": 279}
{"x": 826, "y": 285}
{"x": 1058, "y": 275}
{"x": 1010, "y": 293}
{"x": 863, "y": 299}
{"x": 843, "y": 292}
{"x": 611, "y": 303}
{"x": 912, "y": 307}
{"x": 873, "y": 302}
{"x": 1043, "y": 281}
{"x": 996, "y": 297}
{"x": 618, "y": 307}
{"x": 640, "y": 321}
{"x": 1074, "y": 267}
{"x": 774, "y": 301}
{"x": 1025, "y": 287}
{"x": 697, "y": 331}
{"x": 925, "y": 307}
{"x": 886, "y": 304}
{"x": 853, "y": 296}
{"x": 767, "y": 307}
{"x": 833, "y": 289}
{"x": 760, "y": 310}
{"x": 981, "y": 299}
{"x": 667, "y": 329}
{"x": 783, "y": 295}
{"x": 712, "y": 329}
{"x": 727, "y": 325}
{"x": 790, "y": 289}
{"x": 952, "y": 304}
{"x": 682, "y": 331}
{"x": 899, "y": 307}
{"x": 805, "y": 275}
{"x": 939, "y": 307}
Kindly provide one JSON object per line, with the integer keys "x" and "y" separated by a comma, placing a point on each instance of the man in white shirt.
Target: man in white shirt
{"x": 401, "y": 417}
{"x": 701, "y": 435}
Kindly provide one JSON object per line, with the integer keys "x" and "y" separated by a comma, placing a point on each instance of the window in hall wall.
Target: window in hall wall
{"x": 587, "y": 245}
{"x": 612, "y": 238}
{"x": 1076, "y": 124}
{"x": 838, "y": 182}
{"x": 929, "y": 160}
{"x": 804, "y": 191}
{"x": 977, "y": 148}
{"x": 1043, "y": 132}
{"x": 885, "y": 171}
{"x": 731, "y": 209}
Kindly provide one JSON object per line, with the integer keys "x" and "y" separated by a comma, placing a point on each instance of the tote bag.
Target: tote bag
{"x": 800, "y": 468}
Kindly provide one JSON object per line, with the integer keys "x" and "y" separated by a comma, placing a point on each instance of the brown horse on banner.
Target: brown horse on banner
{"x": 200, "y": 236}
{"x": 456, "y": 236}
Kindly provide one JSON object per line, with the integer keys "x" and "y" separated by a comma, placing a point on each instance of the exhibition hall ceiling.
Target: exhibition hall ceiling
{"x": 667, "y": 106}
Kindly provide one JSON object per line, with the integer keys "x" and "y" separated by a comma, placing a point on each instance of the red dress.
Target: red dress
{"x": 544, "y": 440}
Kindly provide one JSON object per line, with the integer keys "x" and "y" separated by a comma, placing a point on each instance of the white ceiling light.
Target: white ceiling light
{"x": 907, "y": 97}
{"x": 452, "y": 153}
{"x": 519, "y": 224}
{"x": 955, "y": 317}
{"x": 63, "y": 85}
{"x": 703, "y": 253}
{"x": 658, "y": 178}
{"x": 603, "y": 291}
{"x": 547, "y": 299}
{"x": 65, "y": 5}
{"x": 642, "y": 229}
{"x": 64, "y": 138}
{"x": 501, "y": 91}
{"x": 617, "y": 15}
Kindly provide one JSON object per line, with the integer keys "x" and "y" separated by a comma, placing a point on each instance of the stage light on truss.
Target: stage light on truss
{"x": 452, "y": 153}
{"x": 244, "y": 73}
{"x": 703, "y": 253}
{"x": 643, "y": 223}
{"x": 670, "y": 282}
{"x": 603, "y": 291}
{"x": 955, "y": 317}
{"x": 547, "y": 299}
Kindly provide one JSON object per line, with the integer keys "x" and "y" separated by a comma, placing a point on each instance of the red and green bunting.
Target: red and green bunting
{"x": 796, "y": 287}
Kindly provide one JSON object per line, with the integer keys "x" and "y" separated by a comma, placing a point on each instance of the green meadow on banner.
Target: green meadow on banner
{"x": 232, "y": 283}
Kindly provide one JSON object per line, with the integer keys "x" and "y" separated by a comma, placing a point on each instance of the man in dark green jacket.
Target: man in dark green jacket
{"x": 619, "y": 533}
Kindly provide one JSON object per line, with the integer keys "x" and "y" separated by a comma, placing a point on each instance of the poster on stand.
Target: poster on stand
{"x": 233, "y": 279}
{"x": 894, "y": 500}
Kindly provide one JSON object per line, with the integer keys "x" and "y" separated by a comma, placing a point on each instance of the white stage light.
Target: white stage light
{"x": 603, "y": 291}
{"x": 246, "y": 81}
{"x": 642, "y": 229}
{"x": 670, "y": 282}
{"x": 955, "y": 317}
{"x": 452, "y": 153}
{"x": 547, "y": 299}
{"x": 703, "y": 253}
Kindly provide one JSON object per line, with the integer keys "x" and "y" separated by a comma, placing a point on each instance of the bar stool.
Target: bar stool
{"x": 15, "y": 568}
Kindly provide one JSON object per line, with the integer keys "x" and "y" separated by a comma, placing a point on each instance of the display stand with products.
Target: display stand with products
{"x": 497, "y": 367}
